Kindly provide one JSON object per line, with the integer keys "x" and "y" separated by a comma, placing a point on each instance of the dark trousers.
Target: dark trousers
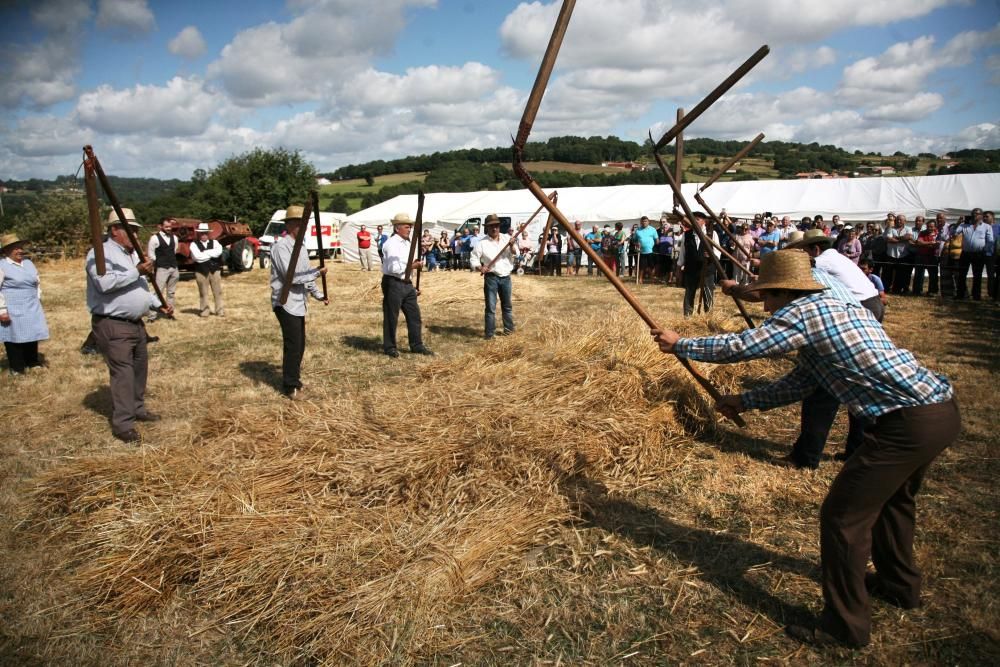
{"x": 22, "y": 355}
{"x": 977, "y": 261}
{"x": 494, "y": 286}
{"x": 993, "y": 276}
{"x": 870, "y": 510}
{"x": 399, "y": 295}
{"x": 819, "y": 410}
{"x": 930, "y": 264}
{"x": 293, "y": 346}
{"x": 123, "y": 345}
{"x": 902, "y": 270}
{"x": 691, "y": 279}
{"x": 949, "y": 275}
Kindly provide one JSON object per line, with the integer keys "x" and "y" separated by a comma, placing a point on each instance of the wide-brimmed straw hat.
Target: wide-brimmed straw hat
{"x": 793, "y": 238}
{"x": 401, "y": 219}
{"x": 812, "y": 237}
{"x": 786, "y": 269}
{"x": 129, "y": 218}
{"x": 8, "y": 240}
{"x": 294, "y": 213}
{"x": 491, "y": 219}
{"x": 203, "y": 228}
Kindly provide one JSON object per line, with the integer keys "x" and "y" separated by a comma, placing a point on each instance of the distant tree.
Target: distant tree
{"x": 339, "y": 204}
{"x": 54, "y": 220}
{"x": 369, "y": 180}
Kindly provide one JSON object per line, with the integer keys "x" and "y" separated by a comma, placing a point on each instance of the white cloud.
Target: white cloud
{"x": 127, "y": 17}
{"x": 188, "y": 44}
{"x": 181, "y": 108}
{"x": 421, "y": 85}
{"x": 981, "y": 135}
{"x": 45, "y": 136}
{"x": 308, "y": 58}
{"x": 917, "y": 107}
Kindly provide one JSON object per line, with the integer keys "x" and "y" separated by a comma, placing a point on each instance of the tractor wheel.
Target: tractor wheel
{"x": 264, "y": 260}
{"x": 241, "y": 256}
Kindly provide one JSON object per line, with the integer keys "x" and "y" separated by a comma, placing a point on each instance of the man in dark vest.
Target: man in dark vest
{"x": 697, "y": 269}
{"x": 162, "y": 249}
{"x": 207, "y": 253}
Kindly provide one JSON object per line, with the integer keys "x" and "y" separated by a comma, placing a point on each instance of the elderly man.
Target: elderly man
{"x": 207, "y": 254}
{"x": 898, "y": 239}
{"x": 365, "y": 248}
{"x": 162, "y": 249}
{"x": 292, "y": 314}
{"x": 647, "y": 238}
{"x": 870, "y": 508}
{"x": 494, "y": 259}
{"x": 117, "y": 301}
{"x": 398, "y": 292}
{"x": 697, "y": 268}
{"x": 977, "y": 236}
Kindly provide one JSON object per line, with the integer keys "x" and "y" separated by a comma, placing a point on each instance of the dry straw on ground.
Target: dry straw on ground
{"x": 326, "y": 529}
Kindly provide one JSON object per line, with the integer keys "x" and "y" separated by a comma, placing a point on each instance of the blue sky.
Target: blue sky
{"x": 163, "y": 88}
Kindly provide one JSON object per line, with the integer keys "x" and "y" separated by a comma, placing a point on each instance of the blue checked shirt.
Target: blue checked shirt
{"x": 842, "y": 348}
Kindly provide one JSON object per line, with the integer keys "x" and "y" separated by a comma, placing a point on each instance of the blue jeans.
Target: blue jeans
{"x": 492, "y": 286}
{"x": 432, "y": 260}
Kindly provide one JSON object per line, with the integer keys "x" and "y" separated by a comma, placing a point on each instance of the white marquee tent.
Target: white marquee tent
{"x": 853, "y": 199}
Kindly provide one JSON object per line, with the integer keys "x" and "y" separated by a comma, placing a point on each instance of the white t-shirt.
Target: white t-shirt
{"x": 847, "y": 272}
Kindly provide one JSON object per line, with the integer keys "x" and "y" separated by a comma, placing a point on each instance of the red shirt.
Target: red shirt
{"x": 364, "y": 240}
{"x": 927, "y": 236}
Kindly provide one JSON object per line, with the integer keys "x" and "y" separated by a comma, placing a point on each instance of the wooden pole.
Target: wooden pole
{"x": 414, "y": 240}
{"x": 719, "y": 91}
{"x": 314, "y": 199}
{"x": 419, "y": 229}
{"x": 133, "y": 239}
{"x": 544, "y": 243}
{"x": 736, "y": 158}
{"x": 296, "y": 250}
{"x": 706, "y": 241}
{"x": 679, "y": 156}
{"x": 94, "y": 215}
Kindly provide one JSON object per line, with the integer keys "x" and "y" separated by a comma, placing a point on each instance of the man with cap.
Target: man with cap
{"x": 162, "y": 249}
{"x": 207, "y": 254}
{"x": 118, "y": 300}
{"x": 870, "y": 508}
{"x": 292, "y": 314}
{"x": 494, "y": 260}
{"x": 398, "y": 293}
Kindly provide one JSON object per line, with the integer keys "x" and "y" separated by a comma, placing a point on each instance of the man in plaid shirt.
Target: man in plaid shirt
{"x": 870, "y": 508}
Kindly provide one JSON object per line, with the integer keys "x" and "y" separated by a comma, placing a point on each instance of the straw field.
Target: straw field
{"x": 561, "y": 496}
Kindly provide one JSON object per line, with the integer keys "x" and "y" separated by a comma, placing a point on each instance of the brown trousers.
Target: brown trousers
{"x": 205, "y": 281}
{"x": 123, "y": 345}
{"x": 870, "y": 511}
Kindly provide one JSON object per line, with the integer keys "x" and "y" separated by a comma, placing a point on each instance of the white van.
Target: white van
{"x": 329, "y": 226}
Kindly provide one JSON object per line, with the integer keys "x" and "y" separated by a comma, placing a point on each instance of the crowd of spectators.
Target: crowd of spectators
{"x": 925, "y": 257}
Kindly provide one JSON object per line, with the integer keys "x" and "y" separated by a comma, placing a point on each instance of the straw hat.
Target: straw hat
{"x": 786, "y": 270}
{"x": 491, "y": 219}
{"x": 294, "y": 213}
{"x": 401, "y": 219}
{"x": 794, "y": 237}
{"x": 129, "y": 217}
{"x": 7, "y": 240}
{"x": 203, "y": 228}
{"x": 812, "y": 237}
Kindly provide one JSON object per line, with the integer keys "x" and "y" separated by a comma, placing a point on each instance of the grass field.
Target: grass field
{"x": 561, "y": 496}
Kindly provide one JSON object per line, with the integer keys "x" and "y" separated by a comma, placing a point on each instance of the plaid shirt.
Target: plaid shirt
{"x": 842, "y": 348}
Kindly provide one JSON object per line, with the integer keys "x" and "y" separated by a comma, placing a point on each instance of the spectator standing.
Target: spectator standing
{"x": 162, "y": 249}
{"x": 977, "y": 236}
{"x": 897, "y": 239}
{"x": 466, "y": 247}
{"x": 622, "y": 239}
{"x": 364, "y": 248}
{"x": 743, "y": 244}
{"x": 633, "y": 250}
{"x": 647, "y": 238}
{"x": 207, "y": 254}
{"x": 850, "y": 246}
{"x": 22, "y": 320}
{"x": 768, "y": 241}
{"x": 496, "y": 280}
{"x": 665, "y": 251}
{"x": 925, "y": 256}
{"x": 553, "y": 252}
{"x": 697, "y": 269}
{"x": 593, "y": 239}
{"x": 574, "y": 253}
{"x": 380, "y": 238}
{"x": 443, "y": 249}
{"x": 427, "y": 250}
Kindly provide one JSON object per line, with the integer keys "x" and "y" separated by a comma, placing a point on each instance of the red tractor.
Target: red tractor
{"x": 240, "y": 246}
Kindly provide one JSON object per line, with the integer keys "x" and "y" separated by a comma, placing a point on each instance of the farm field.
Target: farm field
{"x": 561, "y": 496}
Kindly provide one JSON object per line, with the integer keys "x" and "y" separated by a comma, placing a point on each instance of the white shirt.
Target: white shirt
{"x": 395, "y": 256}
{"x": 847, "y": 272}
{"x": 487, "y": 249}
{"x": 212, "y": 250}
{"x": 679, "y": 242}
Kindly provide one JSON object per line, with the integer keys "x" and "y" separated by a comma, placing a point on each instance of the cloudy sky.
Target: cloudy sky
{"x": 163, "y": 88}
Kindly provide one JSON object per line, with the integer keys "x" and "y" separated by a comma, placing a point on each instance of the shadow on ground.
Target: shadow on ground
{"x": 262, "y": 372}
{"x": 453, "y": 330}
{"x": 99, "y": 401}
{"x": 363, "y": 343}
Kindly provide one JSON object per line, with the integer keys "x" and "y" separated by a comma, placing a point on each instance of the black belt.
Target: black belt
{"x": 398, "y": 280}
{"x": 117, "y": 319}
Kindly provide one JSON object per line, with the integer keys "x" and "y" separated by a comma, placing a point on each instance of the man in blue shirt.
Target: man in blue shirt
{"x": 769, "y": 240}
{"x": 870, "y": 508}
{"x": 977, "y": 239}
{"x": 593, "y": 238}
{"x": 647, "y": 238}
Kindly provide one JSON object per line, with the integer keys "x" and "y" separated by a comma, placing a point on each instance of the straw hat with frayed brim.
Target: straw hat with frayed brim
{"x": 7, "y": 240}
{"x": 786, "y": 270}
{"x": 401, "y": 219}
{"x": 294, "y": 213}
{"x": 129, "y": 217}
{"x": 812, "y": 237}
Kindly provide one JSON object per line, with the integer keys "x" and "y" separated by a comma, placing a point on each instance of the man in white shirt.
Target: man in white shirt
{"x": 162, "y": 249}
{"x": 398, "y": 293}
{"x": 207, "y": 253}
{"x": 494, "y": 260}
{"x": 818, "y": 246}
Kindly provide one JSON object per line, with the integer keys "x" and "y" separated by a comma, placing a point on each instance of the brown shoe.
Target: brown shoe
{"x": 147, "y": 417}
{"x": 815, "y": 637}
